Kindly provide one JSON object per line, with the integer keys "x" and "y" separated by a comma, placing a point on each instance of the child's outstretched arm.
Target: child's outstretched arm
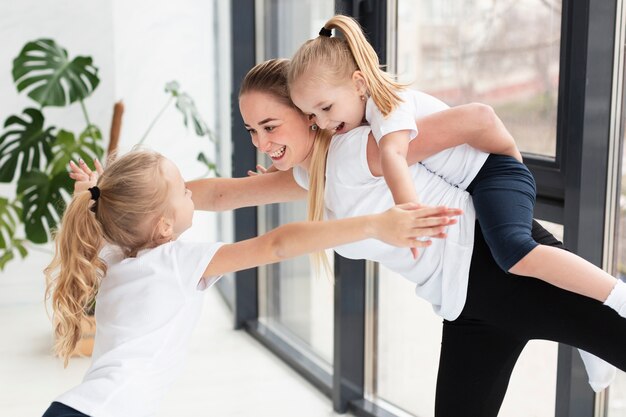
{"x": 398, "y": 226}
{"x": 393, "y": 158}
{"x": 475, "y": 124}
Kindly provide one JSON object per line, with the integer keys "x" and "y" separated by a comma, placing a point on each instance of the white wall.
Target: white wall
{"x": 138, "y": 46}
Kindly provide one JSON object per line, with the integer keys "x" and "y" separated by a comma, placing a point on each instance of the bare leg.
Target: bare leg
{"x": 567, "y": 271}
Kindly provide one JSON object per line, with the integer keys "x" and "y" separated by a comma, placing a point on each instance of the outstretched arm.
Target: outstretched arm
{"x": 475, "y": 124}
{"x": 398, "y": 226}
{"x": 217, "y": 194}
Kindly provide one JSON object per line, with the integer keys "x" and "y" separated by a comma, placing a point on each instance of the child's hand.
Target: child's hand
{"x": 260, "y": 169}
{"x": 85, "y": 178}
{"x": 403, "y": 224}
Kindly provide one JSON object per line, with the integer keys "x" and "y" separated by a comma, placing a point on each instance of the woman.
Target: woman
{"x": 489, "y": 315}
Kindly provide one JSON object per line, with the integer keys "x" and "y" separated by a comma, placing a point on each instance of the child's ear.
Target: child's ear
{"x": 360, "y": 83}
{"x": 165, "y": 228}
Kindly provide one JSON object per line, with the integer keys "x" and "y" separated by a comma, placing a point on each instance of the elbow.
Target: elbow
{"x": 279, "y": 248}
{"x": 484, "y": 114}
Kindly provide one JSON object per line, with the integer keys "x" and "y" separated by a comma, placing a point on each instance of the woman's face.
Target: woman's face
{"x": 279, "y": 131}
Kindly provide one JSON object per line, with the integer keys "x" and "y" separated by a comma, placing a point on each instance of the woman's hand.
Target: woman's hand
{"x": 402, "y": 225}
{"x": 83, "y": 175}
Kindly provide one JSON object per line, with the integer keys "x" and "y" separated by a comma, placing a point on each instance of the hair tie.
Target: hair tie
{"x": 326, "y": 32}
{"x": 95, "y": 193}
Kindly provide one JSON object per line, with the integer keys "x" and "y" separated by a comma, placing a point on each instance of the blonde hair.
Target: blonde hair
{"x": 271, "y": 77}
{"x": 338, "y": 58}
{"x": 131, "y": 202}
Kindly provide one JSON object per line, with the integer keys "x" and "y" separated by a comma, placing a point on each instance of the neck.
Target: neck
{"x": 306, "y": 163}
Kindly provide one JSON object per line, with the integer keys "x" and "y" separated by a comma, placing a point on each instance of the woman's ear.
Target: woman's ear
{"x": 360, "y": 83}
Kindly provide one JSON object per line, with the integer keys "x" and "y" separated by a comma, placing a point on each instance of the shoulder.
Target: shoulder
{"x": 423, "y": 102}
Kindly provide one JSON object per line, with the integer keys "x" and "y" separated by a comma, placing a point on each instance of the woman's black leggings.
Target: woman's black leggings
{"x": 502, "y": 313}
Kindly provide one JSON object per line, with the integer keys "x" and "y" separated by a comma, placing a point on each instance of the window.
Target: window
{"x": 293, "y": 301}
{"x": 504, "y": 53}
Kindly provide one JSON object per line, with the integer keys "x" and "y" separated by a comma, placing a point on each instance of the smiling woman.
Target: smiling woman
{"x": 483, "y": 306}
{"x": 273, "y": 121}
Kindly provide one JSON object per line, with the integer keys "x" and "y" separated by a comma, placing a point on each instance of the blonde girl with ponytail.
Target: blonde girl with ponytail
{"x": 339, "y": 83}
{"x": 118, "y": 245}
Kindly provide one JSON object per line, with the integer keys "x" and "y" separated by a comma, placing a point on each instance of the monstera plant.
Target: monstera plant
{"x": 33, "y": 155}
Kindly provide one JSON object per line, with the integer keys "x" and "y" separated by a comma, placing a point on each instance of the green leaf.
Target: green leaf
{"x": 43, "y": 202}
{"x": 67, "y": 148}
{"x": 10, "y": 214}
{"x": 27, "y": 137}
{"x": 44, "y": 70}
{"x": 186, "y": 105}
{"x": 211, "y": 166}
{"x": 5, "y": 257}
{"x": 173, "y": 87}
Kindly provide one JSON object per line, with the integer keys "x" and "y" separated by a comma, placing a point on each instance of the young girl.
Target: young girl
{"x": 339, "y": 83}
{"x": 147, "y": 285}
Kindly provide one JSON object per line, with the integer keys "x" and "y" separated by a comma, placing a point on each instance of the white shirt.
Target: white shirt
{"x": 458, "y": 165}
{"x": 146, "y": 309}
{"x": 441, "y": 272}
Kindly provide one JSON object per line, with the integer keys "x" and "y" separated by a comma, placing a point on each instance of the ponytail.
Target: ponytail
{"x": 133, "y": 195}
{"x": 341, "y": 57}
{"x": 73, "y": 276}
{"x": 317, "y": 187}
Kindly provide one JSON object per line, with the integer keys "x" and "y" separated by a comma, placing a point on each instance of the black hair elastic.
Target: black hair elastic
{"x": 326, "y": 32}
{"x": 95, "y": 193}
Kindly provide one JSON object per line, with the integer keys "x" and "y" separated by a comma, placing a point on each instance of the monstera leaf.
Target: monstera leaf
{"x": 10, "y": 214}
{"x": 187, "y": 107}
{"x": 51, "y": 79}
{"x": 67, "y": 148}
{"x": 43, "y": 202}
{"x": 27, "y": 137}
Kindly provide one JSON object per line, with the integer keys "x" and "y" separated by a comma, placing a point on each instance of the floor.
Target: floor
{"x": 228, "y": 374}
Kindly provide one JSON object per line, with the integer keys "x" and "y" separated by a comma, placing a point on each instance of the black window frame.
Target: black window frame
{"x": 571, "y": 191}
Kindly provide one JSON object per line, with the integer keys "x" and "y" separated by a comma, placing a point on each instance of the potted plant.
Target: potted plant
{"x": 34, "y": 156}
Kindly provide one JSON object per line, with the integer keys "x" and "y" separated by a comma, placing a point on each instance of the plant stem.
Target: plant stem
{"x": 155, "y": 120}
{"x": 89, "y": 125}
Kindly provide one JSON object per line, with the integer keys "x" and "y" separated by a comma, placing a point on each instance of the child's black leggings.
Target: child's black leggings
{"x": 502, "y": 313}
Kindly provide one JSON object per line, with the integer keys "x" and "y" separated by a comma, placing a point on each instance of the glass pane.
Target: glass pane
{"x": 617, "y": 391}
{"x": 222, "y": 95}
{"x": 409, "y": 339}
{"x": 505, "y": 54}
{"x": 293, "y": 300}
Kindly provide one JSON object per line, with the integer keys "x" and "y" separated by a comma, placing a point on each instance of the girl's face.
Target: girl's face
{"x": 279, "y": 131}
{"x": 338, "y": 107}
{"x": 180, "y": 204}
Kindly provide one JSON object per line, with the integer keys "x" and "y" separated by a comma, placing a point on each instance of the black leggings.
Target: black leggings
{"x": 502, "y": 313}
{"x": 57, "y": 409}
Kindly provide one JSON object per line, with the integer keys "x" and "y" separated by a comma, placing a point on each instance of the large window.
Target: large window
{"x": 407, "y": 351}
{"x": 503, "y": 53}
{"x": 293, "y": 301}
{"x": 617, "y": 391}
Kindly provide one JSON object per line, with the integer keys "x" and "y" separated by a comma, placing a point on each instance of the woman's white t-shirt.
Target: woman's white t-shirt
{"x": 441, "y": 271}
{"x": 457, "y": 165}
{"x": 146, "y": 309}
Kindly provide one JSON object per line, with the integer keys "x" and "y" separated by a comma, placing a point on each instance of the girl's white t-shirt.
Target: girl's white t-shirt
{"x": 457, "y": 165}
{"x": 441, "y": 272}
{"x": 146, "y": 309}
